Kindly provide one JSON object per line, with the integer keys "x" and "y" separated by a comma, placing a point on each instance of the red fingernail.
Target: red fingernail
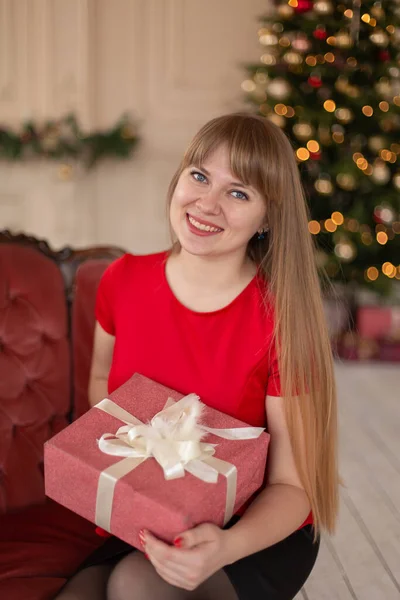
{"x": 146, "y": 556}
{"x": 102, "y": 532}
{"x": 178, "y": 542}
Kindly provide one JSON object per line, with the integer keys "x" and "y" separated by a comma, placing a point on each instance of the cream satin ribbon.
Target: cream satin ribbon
{"x": 173, "y": 437}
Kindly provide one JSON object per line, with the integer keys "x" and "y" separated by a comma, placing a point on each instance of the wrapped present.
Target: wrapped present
{"x": 378, "y": 322}
{"x": 389, "y": 351}
{"x": 352, "y": 346}
{"x": 148, "y": 458}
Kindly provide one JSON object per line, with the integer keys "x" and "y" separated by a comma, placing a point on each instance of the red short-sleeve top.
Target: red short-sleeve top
{"x": 226, "y": 356}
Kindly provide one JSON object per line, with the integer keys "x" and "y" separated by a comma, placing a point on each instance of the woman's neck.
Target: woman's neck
{"x": 213, "y": 272}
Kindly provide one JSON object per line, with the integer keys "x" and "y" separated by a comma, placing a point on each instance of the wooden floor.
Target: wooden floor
{"x": 362, "y": 561}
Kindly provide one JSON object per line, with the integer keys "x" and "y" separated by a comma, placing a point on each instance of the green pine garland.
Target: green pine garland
{"x": 63, "y": 139}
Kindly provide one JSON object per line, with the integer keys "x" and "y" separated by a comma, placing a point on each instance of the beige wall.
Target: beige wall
{"x": 172, "y": 64}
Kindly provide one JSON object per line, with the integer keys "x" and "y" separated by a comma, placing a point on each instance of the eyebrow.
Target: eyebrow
{"x": 235, "y": 183}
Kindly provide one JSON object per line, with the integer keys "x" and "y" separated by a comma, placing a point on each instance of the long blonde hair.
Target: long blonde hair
{"x": 262, "y": 156}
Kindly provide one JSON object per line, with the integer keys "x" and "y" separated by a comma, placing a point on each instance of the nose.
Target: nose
{"x": 208, "y": 203}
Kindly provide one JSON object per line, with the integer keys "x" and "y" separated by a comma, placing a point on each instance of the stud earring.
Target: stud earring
{"x": 261, "y": 234}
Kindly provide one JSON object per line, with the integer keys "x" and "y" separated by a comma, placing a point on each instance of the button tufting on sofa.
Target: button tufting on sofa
{"x": 41, "y": 332}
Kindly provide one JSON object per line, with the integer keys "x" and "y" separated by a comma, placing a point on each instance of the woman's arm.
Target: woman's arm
{"x": 103, "y": 349}
{"x": 283, "y": 505}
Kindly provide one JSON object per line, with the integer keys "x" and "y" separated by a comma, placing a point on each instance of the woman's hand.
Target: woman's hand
{"x": 196, "y": 555}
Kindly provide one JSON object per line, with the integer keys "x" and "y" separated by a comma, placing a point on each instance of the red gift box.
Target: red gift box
{"x": 378, "y": 322}
{"x": 125, "y": 495}
{"x": 389, "y": 351}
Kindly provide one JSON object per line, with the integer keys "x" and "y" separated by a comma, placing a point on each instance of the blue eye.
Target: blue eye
{"x": 200, "y": 175}
{"x": 242, "y": 195}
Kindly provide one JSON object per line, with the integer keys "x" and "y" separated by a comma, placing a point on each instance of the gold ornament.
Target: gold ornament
{"x": 396, "y": 180}
{"x": 323, "y": 186}
{"x": 248, "y": 85}
{"x": 376, "y": 143}
{"x": 346, "y": 251}
{"x": 344, "y": 115}
{"x": 268, "y": 59}
{"x": 346, "y": 181}
{"x": 379, "y": 38}
{"x": 269, "y": 39}
{"x": 343, "y": 40}
{"x": 285, "y": 11}
{"x": 279, "y": 88}
{"x": 323, "y": 7}
{"x": 277, "y": 119}
{"x": 380, "y": 172}
{"x": 384, "y": 88}
{"x": 293, "y": 58}
{"x": 303, "y": 131}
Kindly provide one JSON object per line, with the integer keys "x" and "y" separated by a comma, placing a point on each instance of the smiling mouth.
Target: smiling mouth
{"x": 202, "y": 226}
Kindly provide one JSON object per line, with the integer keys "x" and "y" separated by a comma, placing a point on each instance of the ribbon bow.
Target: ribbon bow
{"x": 173, "y": 438}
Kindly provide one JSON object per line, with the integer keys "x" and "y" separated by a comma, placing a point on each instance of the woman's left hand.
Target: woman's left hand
{"x": 196, "y": 555}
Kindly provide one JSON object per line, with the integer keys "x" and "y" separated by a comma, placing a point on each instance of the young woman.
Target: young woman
{"x": 232, "y": 312}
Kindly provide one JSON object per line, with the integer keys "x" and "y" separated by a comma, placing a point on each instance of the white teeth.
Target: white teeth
{"x": 201, "y": 226}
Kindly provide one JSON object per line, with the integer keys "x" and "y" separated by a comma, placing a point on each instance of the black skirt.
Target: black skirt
{"x": 276, "y": 573}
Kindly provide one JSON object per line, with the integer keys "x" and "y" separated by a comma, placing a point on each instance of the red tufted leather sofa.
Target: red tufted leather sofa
{"x": 46, "y": 335}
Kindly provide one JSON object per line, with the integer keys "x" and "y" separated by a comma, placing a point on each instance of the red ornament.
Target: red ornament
{"x": 303, "y": 6}
{"x": 320, "y": 34}
{"x": 26, "y": 137}
{"x": 384, "y": 55}
{"x": 314, "y": 81}
{"x": 315, "y": 155}
{"x": 377, "y": 216}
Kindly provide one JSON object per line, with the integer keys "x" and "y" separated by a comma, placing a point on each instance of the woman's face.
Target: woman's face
{"x": 211, "y": 212}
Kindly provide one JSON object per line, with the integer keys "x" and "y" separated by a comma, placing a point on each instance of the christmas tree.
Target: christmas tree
{"x": 329, "y": 76}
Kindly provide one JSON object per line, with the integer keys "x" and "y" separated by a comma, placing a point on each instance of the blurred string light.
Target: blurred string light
{"x": 337, "y": 218}
{"x": 372, "y": 274}
{"x": 329, "y": 105}
{"x": 302, "y": 154}
{"x": 313, "y": 146}
{"x": 374, "y": 154}
{"x": 383, "y": 232}
{"x": 330, "y": 225}
{"x": 367, "y": 110}
{"x": 381, "y": 237}
{"x": 388, "y": 269}
{"x": 314, "y": 227}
